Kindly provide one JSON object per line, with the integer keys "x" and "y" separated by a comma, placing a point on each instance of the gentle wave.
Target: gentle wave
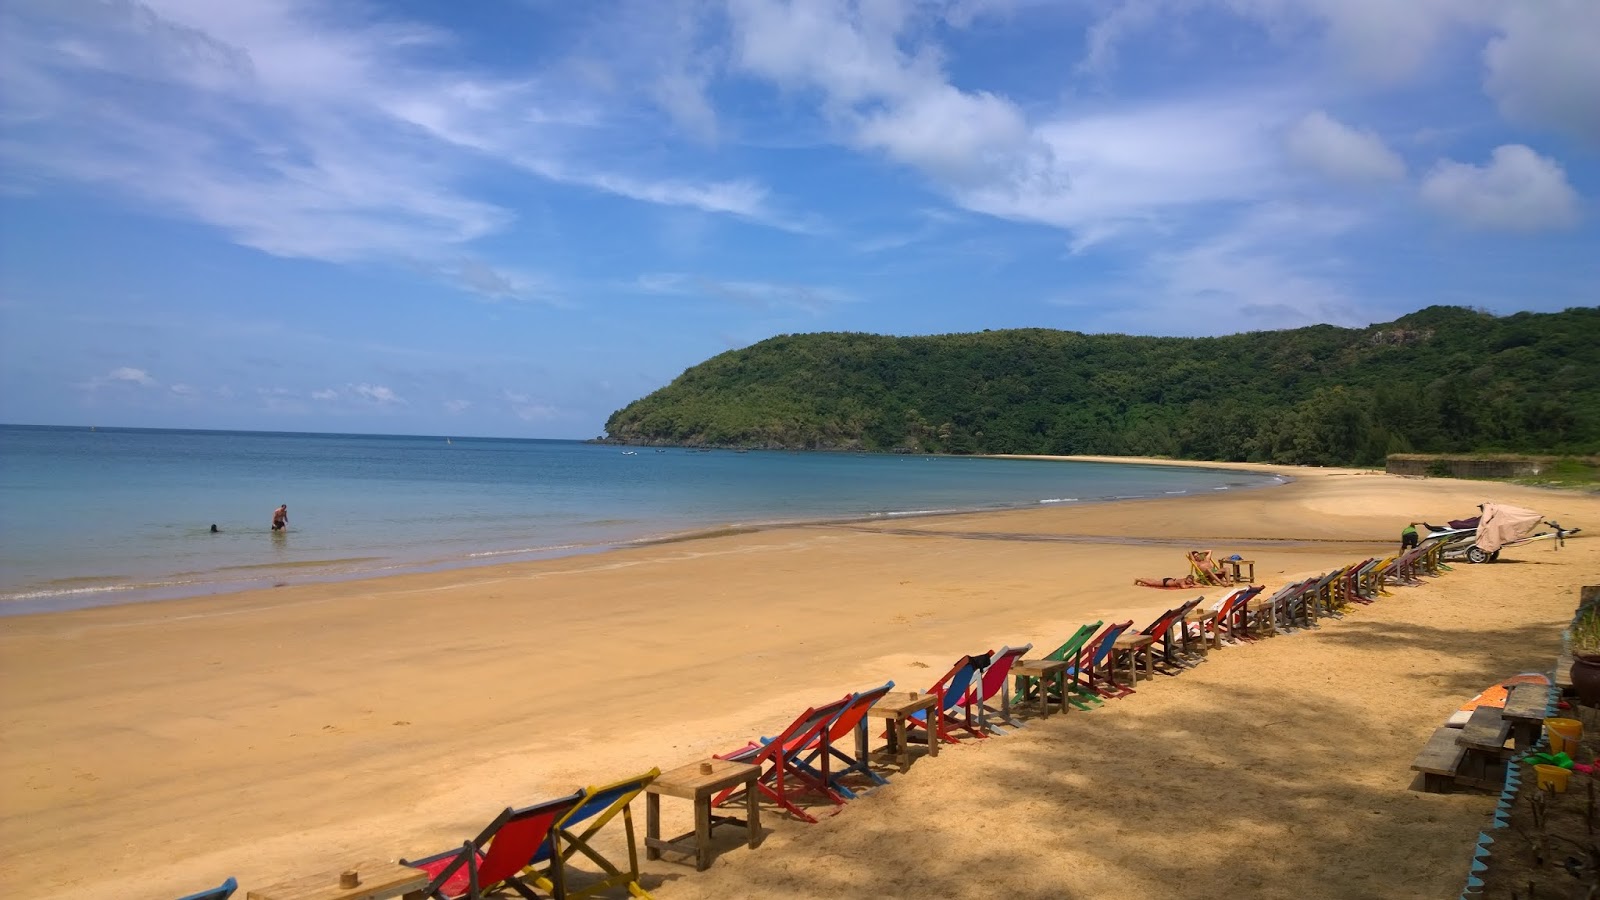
{"x": 1060, "y": 500}
{"x": 487, "y": 554}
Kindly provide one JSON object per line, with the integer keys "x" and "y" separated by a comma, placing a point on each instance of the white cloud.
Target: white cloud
{"x": 457, "y": 406}
{"x": 375, "y": 393}
{"x": 1544, "y": 68}
{"x": 325, "y": 394}
{"x": 183, "y": 390}
{"x": 1338, "y": 151}
{"x": 327, "y": 132}
{"x": 528, "y": 409}
{"x": 123, "y": 375}
{"x": 1517, "y": 190}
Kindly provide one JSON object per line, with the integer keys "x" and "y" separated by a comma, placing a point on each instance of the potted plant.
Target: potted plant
{"x": 1585, "y": 647}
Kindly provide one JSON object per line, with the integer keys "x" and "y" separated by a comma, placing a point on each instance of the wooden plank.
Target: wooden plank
{"x": 1486, "y": 730}
{"x": 1441, "y": 755}
{"x": 1564, "y": 670}
{"x": 1526, "y": 702}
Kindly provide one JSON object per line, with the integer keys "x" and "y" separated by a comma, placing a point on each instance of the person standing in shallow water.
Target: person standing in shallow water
{"x": 280, "y": 518}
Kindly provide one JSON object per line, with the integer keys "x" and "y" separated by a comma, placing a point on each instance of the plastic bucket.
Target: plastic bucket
{"x": 1553, "y": 777}
{"x": 1564, "y": 735}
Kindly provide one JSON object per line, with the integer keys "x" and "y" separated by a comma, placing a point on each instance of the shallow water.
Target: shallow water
{"x": 90, "y": 517}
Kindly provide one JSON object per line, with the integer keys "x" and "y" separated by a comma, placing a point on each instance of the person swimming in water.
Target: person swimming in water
{"x": 280, "y": 518}
{"x": 214, "y": 528}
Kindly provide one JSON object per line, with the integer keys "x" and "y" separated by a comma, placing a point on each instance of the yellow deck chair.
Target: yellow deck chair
{"x": 601, "y": 803}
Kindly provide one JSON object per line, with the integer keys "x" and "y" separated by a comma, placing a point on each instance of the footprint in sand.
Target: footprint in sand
{"x": 919, "y": 665}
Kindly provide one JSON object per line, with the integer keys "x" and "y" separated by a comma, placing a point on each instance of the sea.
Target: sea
{"x": 113, "y": 515}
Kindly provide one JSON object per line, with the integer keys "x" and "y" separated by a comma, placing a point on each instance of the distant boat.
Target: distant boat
{"x": 630, "y": 453}
{"x": 658, "y": 450}
{"x": 448, "y": 441}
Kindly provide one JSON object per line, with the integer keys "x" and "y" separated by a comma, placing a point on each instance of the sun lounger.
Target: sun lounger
{"x": 993, "y": 684}
{"x": 221, "y": 892}
{"x": 499, "y": 854}
{"x": 784, "y": 776}
{"x": 850, "y": 722}
{"x": 601, "y": 804}
{"x": 953, "y": 691}
{"x": 1088, "y": 672}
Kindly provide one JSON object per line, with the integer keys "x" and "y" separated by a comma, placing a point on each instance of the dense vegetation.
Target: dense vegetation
{"x": 1444, "y": 379}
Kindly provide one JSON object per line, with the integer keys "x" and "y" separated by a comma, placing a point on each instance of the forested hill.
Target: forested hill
{"x": 1444, "y": 379}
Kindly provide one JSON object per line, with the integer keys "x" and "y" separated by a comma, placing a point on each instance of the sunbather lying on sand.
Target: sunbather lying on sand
{"x": 1170, "y": 584}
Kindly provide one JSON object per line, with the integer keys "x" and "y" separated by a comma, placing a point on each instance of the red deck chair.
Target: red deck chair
{"x": 993, "y": 684}
{"x": 783, "y": 773}
{"x": 498, "y": 854}
{"x": 852, "y": 721}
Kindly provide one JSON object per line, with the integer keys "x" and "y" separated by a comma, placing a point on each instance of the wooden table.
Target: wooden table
{"x": 692, "y": 782}
{"x": 1236, "y": 564}
{"x": 1044, "y": 670}
{"x": 898, "y": 707}
{"x": 1134, "y": 644}
{"x": 1203, "y": 619}
{"x": 378, "y": 880}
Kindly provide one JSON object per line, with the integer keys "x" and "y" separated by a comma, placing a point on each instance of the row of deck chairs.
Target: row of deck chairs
{"x": 528, "y": 848}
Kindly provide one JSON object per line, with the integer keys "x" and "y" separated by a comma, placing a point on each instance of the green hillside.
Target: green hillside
{"x": 1444, "y": 379}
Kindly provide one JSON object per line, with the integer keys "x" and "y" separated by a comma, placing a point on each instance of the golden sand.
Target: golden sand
{"x": 154, "y": 749}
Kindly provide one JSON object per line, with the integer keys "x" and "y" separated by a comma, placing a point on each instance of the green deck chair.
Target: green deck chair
{"x": 1027, "y": 684}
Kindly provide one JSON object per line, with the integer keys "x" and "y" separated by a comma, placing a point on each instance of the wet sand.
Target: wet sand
{"x": 275, "y": 733}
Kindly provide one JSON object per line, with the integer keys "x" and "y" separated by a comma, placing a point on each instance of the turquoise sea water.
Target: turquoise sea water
{"x": 112, "y": 515}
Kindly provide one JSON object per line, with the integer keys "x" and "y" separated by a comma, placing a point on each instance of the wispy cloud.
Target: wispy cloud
{"x": 767, "y": 295}
{"x": 126, "y": 376}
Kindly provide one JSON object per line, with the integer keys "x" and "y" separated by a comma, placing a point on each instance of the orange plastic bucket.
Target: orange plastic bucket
{"x": 1564, "y": 735}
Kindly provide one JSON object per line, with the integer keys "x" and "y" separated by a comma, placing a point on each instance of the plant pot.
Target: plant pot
{"x": 1586, "y": 679}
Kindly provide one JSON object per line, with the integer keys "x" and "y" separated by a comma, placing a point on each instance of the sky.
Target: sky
{"x": 513, "y": 217}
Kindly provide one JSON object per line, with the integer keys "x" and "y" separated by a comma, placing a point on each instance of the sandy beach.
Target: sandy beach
{"x": 153, "y": 749}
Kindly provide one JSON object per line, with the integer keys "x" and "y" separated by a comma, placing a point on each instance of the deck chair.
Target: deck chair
{"x": 993, "y": 684}
{"x": 852, "y": 720}
{"x": 1206, "y": 570}
{"x": 1157, "y": 631}
{"x": 1229, "y": 622}
{"x": 221, "y": 892}
{"x": 1087, "y": 670}
{"x": 1028, "y": 684}
{"x": 783, "y": 777}
{"x": 952, "y": 690}
{"x": 497, "y": 856}
{"x": 601, "y": 803}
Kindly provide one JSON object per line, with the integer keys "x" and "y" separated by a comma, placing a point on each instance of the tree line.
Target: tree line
{"x": 1440, "y": 380}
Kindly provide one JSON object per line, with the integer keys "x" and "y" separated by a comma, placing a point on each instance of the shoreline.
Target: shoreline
{"x": 277, "y": 575}
{"x": 319, "y": 723}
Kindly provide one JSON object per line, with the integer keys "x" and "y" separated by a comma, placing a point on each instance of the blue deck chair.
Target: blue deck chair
{"x": 953, "y": 690}
{"x": 1091, "y": 659}
{"x": 602, "y": 803}
{"x": 221, "y": 892}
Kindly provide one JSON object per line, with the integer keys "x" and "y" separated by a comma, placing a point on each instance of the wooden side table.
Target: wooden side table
{"x": 375, "y": 880}
{"x": 1134, "y": 645}
{"x": 897, "y": 708}
{"x": 694, "y": 782}
{"x": 1044, "y": 670}
{"x": 1236, "y": 565}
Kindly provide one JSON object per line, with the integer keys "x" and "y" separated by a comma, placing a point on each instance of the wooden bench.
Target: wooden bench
{"x": 1525, "y": 710}
{"x": 1484, "y": 740}
{"x": 1439, "y": 760}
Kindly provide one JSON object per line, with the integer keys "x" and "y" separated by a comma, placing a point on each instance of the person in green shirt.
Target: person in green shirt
{"x": 1408, "y": 537}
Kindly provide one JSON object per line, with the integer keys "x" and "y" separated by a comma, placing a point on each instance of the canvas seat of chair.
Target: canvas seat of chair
{"x": 1092, "y": 659}
{"x": 602, "y": 803}
{"x": 499, "y": 854}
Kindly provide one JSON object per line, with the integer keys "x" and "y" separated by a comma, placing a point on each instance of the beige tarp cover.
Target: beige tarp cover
{"x": 1501, "y": 525}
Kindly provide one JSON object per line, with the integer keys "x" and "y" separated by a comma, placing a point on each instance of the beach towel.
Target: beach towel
{"x": 1168, "y": 584}
{"x": 1493, "y": 695}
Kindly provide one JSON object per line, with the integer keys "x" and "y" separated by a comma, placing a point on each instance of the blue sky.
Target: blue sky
{"x": 512, "y": 218}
